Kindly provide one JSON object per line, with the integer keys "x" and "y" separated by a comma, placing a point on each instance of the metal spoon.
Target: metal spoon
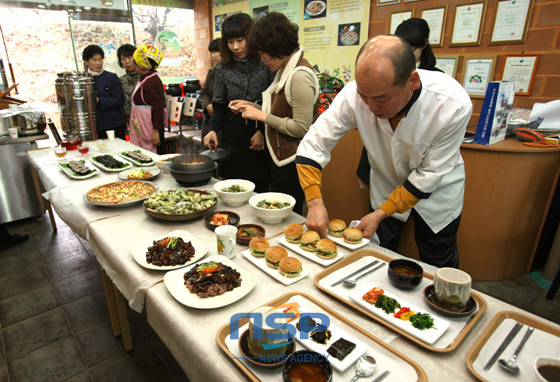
{"x": 510, "y": 364}
{"x": 352, "y": 282}
{"x": 364, "y": 367}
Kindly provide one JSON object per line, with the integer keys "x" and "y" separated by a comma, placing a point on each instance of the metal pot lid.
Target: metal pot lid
{"x": 216, "y": 154}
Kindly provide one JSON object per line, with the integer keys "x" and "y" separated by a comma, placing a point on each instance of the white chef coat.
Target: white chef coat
{"x": 423, "y": 149}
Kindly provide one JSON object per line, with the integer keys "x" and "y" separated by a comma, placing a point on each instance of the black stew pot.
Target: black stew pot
{"x": 192, "y": 169}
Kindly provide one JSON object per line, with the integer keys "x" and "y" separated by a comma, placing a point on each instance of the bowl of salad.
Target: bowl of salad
{"x": 272, "y": 207}
{"x": 234, "y": 192}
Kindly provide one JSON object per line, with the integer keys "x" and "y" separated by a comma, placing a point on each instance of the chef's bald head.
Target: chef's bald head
{"x": 388, "y": 47}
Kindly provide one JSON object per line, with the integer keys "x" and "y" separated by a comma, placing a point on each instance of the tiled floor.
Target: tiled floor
{"x": 54, "y": 322}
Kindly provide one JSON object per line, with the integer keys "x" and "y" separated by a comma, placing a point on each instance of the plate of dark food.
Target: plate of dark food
{"x": 429, "y": 293}
{"x": 137, "y": 157}
{"x": 245, "y": 232}
{"x": 212, "y": 283}
{"x": 174, "y": 250}
{"x": 180, "y": 204}
{"x": 109, "y": 163}
{"x": 397, "y": 312}
{"x": 219, "y": 218}
{"x": 264, "y": 361}
{"x": 78, "y": 169}
{"x": 344, "y": 349}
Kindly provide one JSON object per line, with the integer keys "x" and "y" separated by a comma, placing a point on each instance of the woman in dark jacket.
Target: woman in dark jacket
{"x": 240, "y": 76}
{"x": 206, "y": 92}
{"x": 109, "y": 93}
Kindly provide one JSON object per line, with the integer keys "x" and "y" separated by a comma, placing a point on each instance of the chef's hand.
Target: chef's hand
{"x": 155, "y": 137}
{"x": 210, "y": 109}
{"x": 251, "y": 112}
{"x": 317, "y": 217}
{"x": 257, "y": 141}
{"x": 211, "y": 140}
{"x": 370, "y": 222}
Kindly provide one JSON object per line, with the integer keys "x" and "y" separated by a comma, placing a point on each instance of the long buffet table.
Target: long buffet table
{"x": 190, "y": 334}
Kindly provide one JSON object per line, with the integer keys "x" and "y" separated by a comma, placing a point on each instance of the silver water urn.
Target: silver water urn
{"x": 75, "y": 92}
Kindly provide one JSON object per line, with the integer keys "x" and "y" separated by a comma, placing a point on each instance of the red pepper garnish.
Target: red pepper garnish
{"x": 401, "y": 311}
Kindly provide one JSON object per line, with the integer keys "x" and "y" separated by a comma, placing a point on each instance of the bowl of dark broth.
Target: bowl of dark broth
{"x": 405, "y": 274}
{"x": 547, "y": 369}
{"x": 308, "y": 366}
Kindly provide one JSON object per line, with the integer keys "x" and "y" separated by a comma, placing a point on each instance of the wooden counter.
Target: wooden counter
{"x": 508, "y": 191}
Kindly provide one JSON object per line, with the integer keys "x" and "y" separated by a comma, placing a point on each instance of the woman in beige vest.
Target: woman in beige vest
{"x": 289, "y": 105}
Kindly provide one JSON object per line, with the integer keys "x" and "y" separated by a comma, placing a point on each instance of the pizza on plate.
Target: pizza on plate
{"x": 120, "y": 192}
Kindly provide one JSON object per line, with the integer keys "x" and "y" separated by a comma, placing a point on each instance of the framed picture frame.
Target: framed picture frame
{"x": 521, "y": 70}
{"x": 448, "y": 64}
{"x": 435, "y": 17}
{"x": 399, "y": 17}
{"x": 467, "y": 24}
{"x": 387, "y": 2}
{"x": 511, "y": 22}
{"x": 477, "y": 72}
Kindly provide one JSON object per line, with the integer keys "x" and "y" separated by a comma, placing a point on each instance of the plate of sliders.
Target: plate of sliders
{"x": 309, "y": 245}
{"x": 348, "y": 237}
{"x": 174, "y": 250}
{"x": 274, "y": 261}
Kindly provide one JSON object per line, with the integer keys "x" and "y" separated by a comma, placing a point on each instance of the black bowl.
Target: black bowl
{"x": 192, "y": 177}
{"x": 403, "y": 281}
{"x": 470, "y": 306}
{"x": 233, "y": 219}
{"x": 244, "y": 348}
{"x": 307, "y": 357}
{"x": 253, "y": 227}
{"x": 181, "y": 163}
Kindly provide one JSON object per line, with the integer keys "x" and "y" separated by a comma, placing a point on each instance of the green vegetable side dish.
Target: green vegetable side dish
{"x": 387, "y": 304}
{"x": 422, "y": 321}
{"x": 165, "y": 202}
{"x": 234, "y": 188}
{"x": 272, "y": 204}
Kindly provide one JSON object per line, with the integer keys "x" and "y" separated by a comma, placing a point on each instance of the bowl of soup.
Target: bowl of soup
{"x": 405, "y": 274}
{"x": 272, "y": 207}
{"x": 309, "y": 366}
{"x": 547, "y": 369}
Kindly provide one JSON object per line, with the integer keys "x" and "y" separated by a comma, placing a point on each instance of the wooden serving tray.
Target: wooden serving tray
{"x": 496, "y": 322}
{"x": 482, "y": 305}
{"x": 223, "y": 332}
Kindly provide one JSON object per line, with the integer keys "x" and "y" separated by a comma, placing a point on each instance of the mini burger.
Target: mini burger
{"x": 293, "y": 232}
{"x": 273, "y": 256}
{"x": 308, "y": 240}
{"x": 336, "y": 227}
{"x": 258, "y": 246}
{"x": 326, "y": 249}
{"x": 352, "y": 235}
{"x": 290, "y": 267}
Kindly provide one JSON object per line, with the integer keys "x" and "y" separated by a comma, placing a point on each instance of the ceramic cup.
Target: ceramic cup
{"x": 110, "y": 134}
{"x": 225, "y": 236}
{"x": 13, "y": 132}
{"x": 453, "y": 289}
{"x": 546, "y": 365}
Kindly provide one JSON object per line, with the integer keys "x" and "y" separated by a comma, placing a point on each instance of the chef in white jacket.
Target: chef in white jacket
{"x": 412, "y": 123}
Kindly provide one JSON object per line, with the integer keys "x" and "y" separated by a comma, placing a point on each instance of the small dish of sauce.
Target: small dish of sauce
{"x": 550, "y": 372}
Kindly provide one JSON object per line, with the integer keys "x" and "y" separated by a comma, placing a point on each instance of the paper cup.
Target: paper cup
{"x": 225, "y": 237}
{"x": 453, "y": 289}
{"x": 13, "y": 132}
{"x": 111, "y": 134}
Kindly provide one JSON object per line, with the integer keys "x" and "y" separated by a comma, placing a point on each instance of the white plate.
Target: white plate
{"x": 139, "y": 251}
{"x": 124, "y": 174}
{"x": 260, "y": 262}
{"x": 307, "y": 9}
{"x": 429, "y": 336}
{"x": 311, "y": 255}
{"x": 72, "y": 175}
{"x": 175, "y": 284}
{"x": 340, "y": 241}
{"x": 99, "y": 165}
{"x": 337, "y": 333}
{"x": 137, "y": 163}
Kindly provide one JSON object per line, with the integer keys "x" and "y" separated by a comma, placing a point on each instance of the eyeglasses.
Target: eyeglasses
{"x": 414, "y": 49}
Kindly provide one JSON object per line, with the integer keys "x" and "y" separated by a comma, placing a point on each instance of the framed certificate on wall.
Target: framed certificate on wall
{"x": 521, "y": 70}
{"x": 467, "y": 24}
{"x": 478, "y": 71}
{"x": 399, "y": 17}
{"x": 511, "y": 21}
{"x": 435, "y": 17}
{"x": 448, "y": 64}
